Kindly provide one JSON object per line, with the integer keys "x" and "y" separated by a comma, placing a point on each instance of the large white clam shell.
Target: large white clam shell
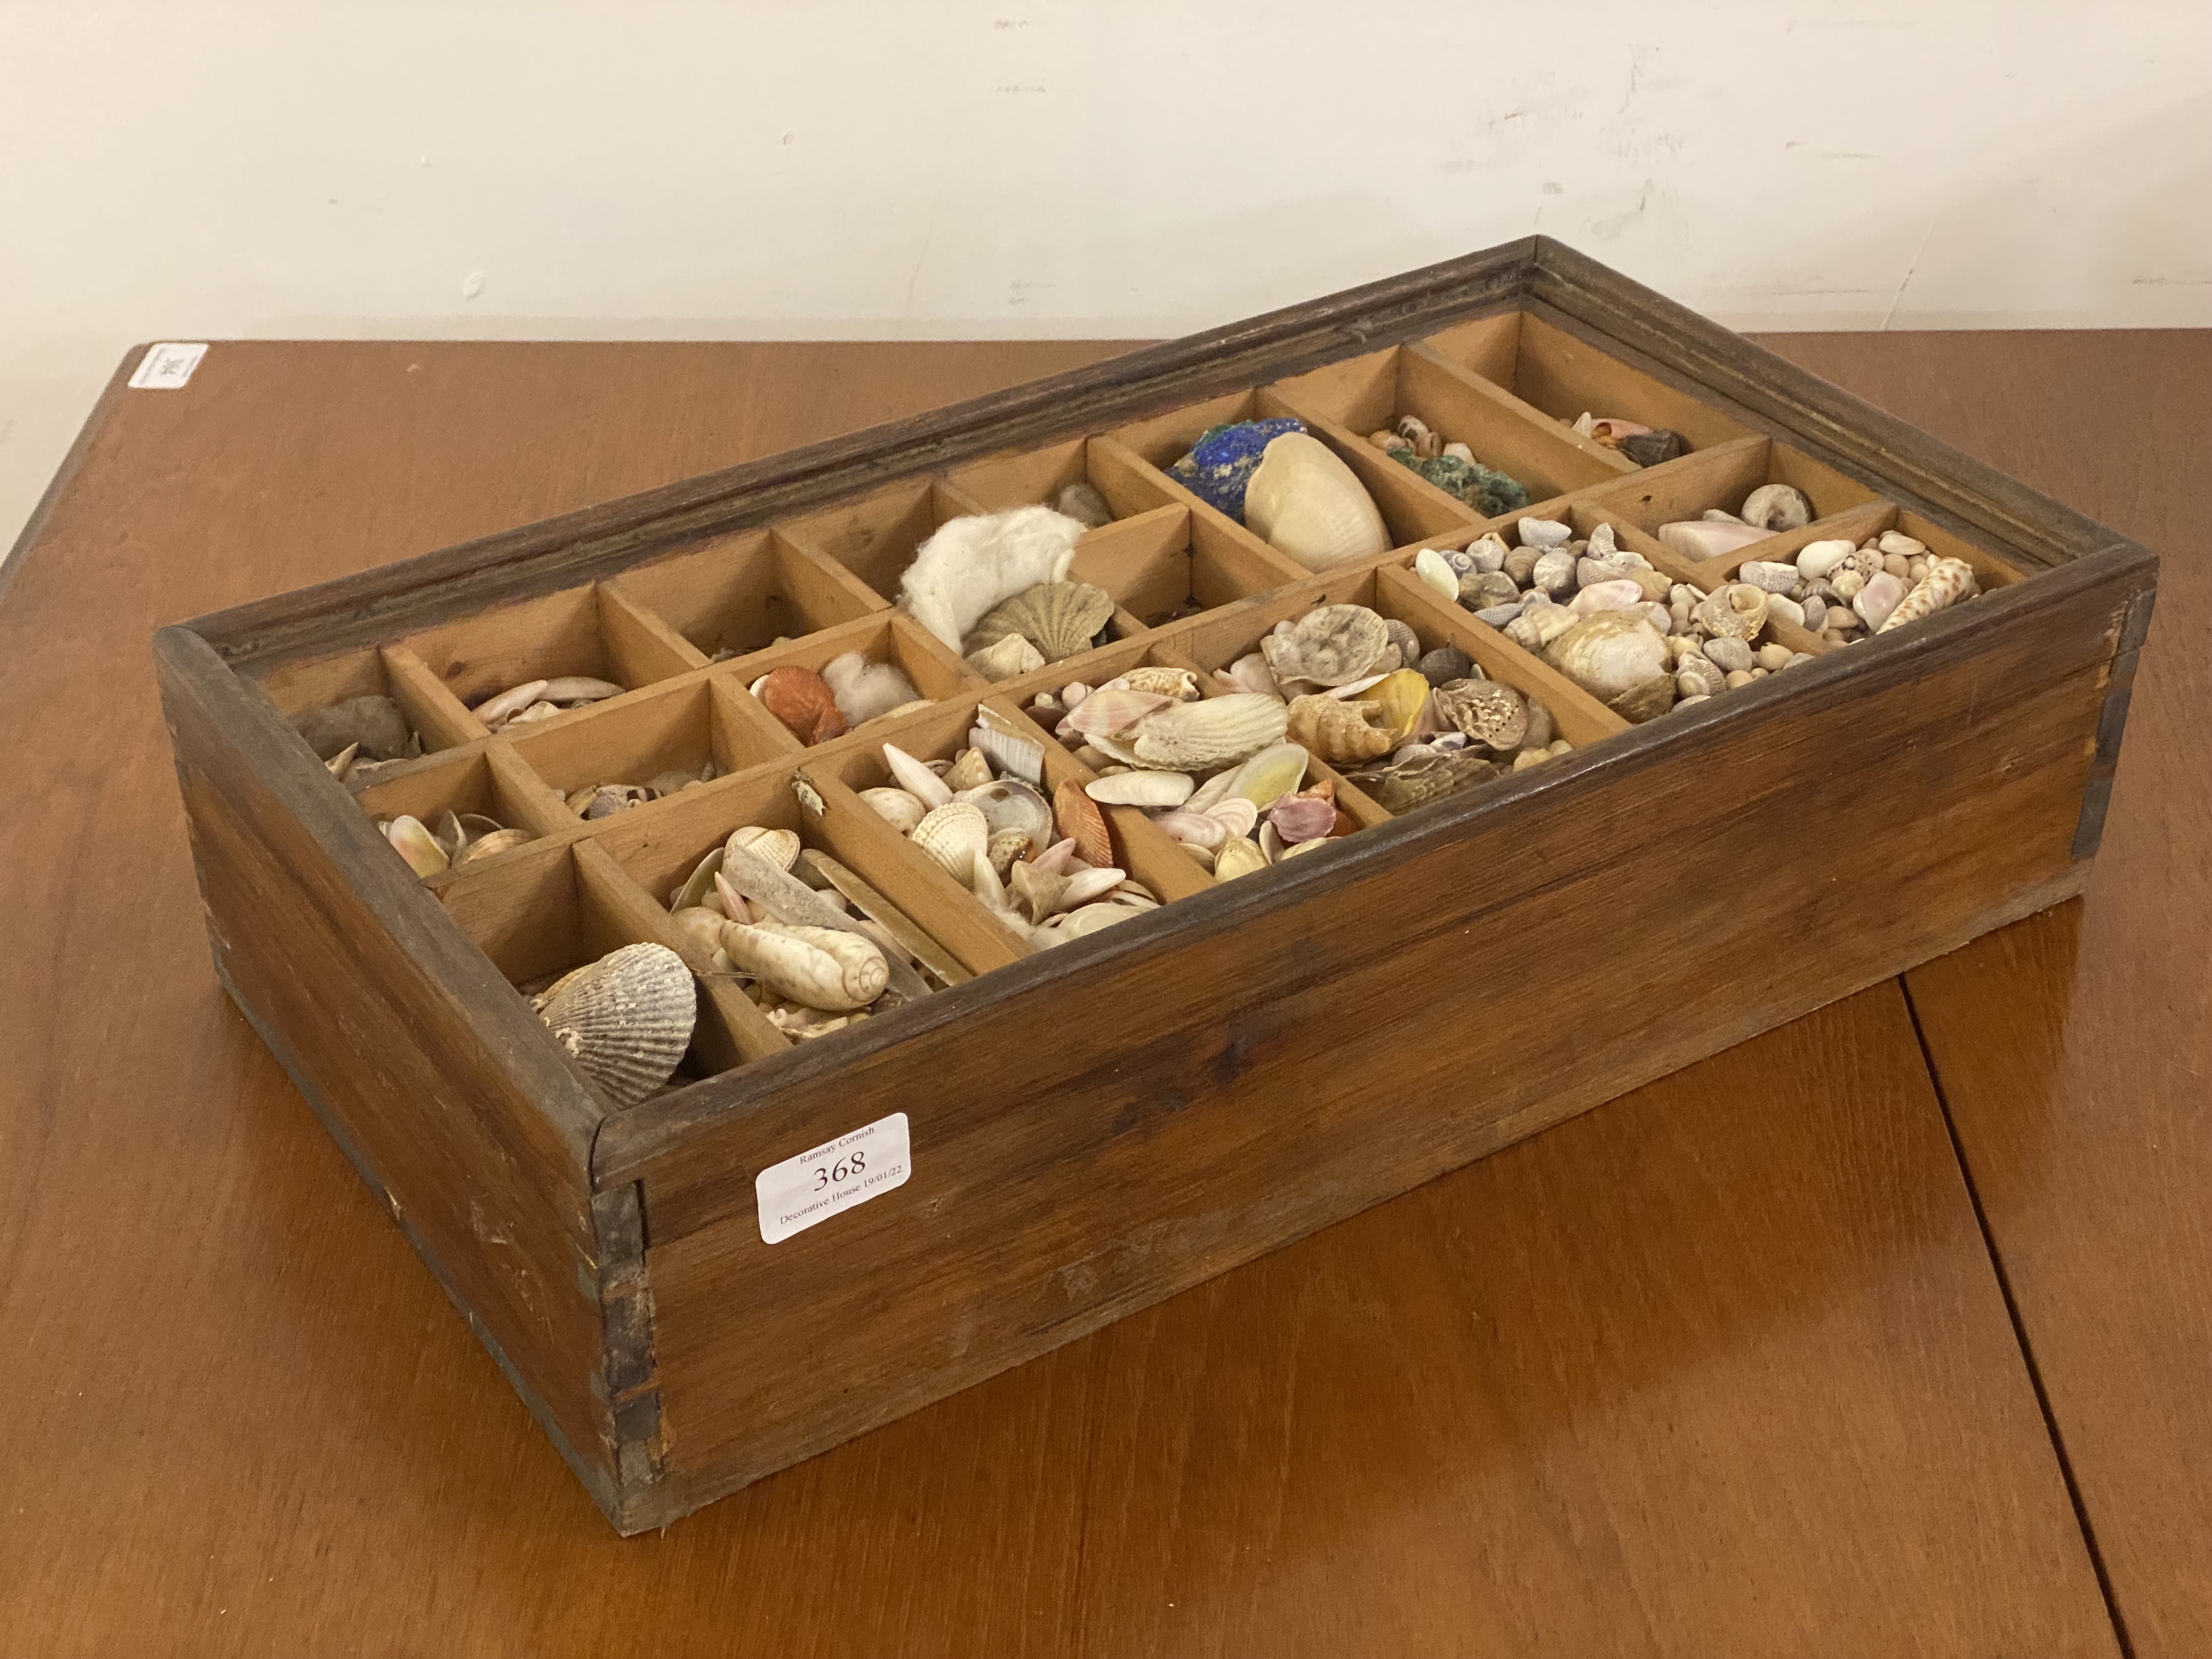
{"x": 820, "y": 966}
{"x": 1189, "y": 737}
{"x": 624, "y": 1019}
{"x": 1610, "y": 653}
{"x": 1306, "y": 502}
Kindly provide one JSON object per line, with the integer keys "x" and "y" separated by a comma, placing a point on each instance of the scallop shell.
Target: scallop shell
{"x": 1237, "y": 858}
{"x": 899, "y": 808}
{"x": 820, "y": 966}
{"x": 1338, "y": 730}
{"x": 1776, "y": 506}
{"x": 1193, "y": 736}
{"x": 1061, "y": 619}
{"x": 1610, "y": 653}
{"x": 1009, "y": 804}
{"x": 955, "y": 835}
{"x": 969, "y": 771}
{"x": 1178, "y": 683}
{"x": 1307, "y": 503}
{"x": 779, "y": 847}
{"x": 1736, "y": 611}
{"x": 1080, "y": 821}
{"x": 1330, "y": 645}
{"x": 1141, "y": 789}
{"x": 802, "y": 700}
{"x": 1006, "y": 658}
{"x": 1010, "y": 752}
{"x": 625, "y": 1019}
{"x": 1269, "y": 775}
{"x": 1489, "y": 712}
{"x": 413, "y": 843}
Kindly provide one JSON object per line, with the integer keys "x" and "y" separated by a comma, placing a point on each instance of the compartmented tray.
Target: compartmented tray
{"x": 1074, "y": 1131}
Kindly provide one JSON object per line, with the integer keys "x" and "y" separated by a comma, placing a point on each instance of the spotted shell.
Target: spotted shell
{"x": 625, "y": 1019}
{"x": 1486, "y": 710}
{"x": 1330, "y": 645}
{"x": 1217, "y": 732}
{"x": 1338, "y": 729}
{"x": 1060, "y": 619}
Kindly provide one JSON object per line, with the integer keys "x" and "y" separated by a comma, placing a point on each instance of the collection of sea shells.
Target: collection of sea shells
{"x": 359, "y": 738}
{"x": 1451, "y": 467}
{"x": 540, "y": 700}
{"x": 1844, "y": 592}
{"x": 460, "y": 838}
{"x": 1045, "y": 867}
{"x": 1646, "y": 445}
{"x": 603, "y": 801}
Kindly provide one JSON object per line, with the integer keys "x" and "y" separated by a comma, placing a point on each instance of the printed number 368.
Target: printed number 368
{"x": 826, "y": 1174}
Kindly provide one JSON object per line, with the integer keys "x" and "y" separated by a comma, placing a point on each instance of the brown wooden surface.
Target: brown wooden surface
{"x": 1721, "y": 1367}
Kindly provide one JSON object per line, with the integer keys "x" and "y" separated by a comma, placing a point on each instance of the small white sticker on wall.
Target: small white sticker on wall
{"x": 167, "y": 366}
{"x": 853, "y": 1169}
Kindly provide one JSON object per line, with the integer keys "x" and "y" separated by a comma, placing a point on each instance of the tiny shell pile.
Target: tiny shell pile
{"x": 1288, "y": 487}
{"x": 1045, "y": 867}
{"x": 603, "y": 801}
{"x": 1603, "y": 617}
{"x": 625, "y": 1019}
{"x": 540, "y": 700}
{"x": 1846, "y": 592}
{"x": 804, "y": 960}
{"x": 460, "y": 839}
{"x": 1767, "y": 511}
{"x": 359, "y": 738}
{"x": 1643, "y": 445}
{"x": 1451, "y": 467}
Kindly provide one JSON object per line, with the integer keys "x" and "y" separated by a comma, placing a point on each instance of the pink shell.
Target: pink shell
{"x": 1302, "y": 818}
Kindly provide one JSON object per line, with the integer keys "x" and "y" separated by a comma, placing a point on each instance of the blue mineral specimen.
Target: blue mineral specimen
{"x": 1221, "y": 463}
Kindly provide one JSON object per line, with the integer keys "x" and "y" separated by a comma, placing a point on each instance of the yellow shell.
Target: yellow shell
{"x": 1309, "y": 504}
{"x": 1237, "y": 858}
{"x": 1401, "y": 697}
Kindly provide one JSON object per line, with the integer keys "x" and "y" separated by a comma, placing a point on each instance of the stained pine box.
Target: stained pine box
{"x": 1095, "y": 1126}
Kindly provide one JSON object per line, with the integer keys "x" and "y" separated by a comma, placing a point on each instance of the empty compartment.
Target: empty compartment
{"x": 630, "y": 756}
{"x": 1566, "y": 377}
{"x": 875, "y": 536}
{"x": 847, "y": 663}
{"x": 744, "y": 592}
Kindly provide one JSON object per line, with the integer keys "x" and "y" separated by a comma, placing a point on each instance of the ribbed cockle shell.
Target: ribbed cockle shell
{"x": 625, "y": 1019}
{"x": 1196, "y": 736}
{"x": 954, "y": 835}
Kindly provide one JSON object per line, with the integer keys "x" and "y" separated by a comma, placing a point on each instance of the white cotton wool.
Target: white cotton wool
{"x": 971, "y": 564}
{"x": 865, "y": 690}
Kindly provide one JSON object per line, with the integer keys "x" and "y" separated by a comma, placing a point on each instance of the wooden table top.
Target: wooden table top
{"x": 1883, "y": 1334}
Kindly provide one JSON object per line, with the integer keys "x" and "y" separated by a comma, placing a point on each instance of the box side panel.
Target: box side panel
{"x": 479, "y": 1142}
{"x": 1085, "y": 1150}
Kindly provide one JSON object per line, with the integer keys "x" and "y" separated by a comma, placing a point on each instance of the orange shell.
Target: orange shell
{"x": 802, "y": 700}
{"x": 1077, "y": 815}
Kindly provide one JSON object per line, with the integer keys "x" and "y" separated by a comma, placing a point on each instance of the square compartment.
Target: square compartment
{"x": 595, "y": 631}
{"x": 744, "y": 592}
{"x": 676, "y": 728}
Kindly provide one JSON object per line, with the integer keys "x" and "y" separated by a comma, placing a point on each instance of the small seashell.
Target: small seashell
{"x": 1429, "y": 446}
{"x": 1037, "y": 892}
{"x": 1776, "y": 506}
{"x": 1078, "y": 924}
{"x": 1647, "y": 701}
{"x": 1251, "y": 673}
{"x": 955, "y": 835}
{"x": 1737, "y": 610}
{"x": 1011, "y": 803}
{"x": 1432, "y": 567}
{"x": 1770, "y": 575}
{"x": 802, "y": 700}
{"x": 1847, "y": 582}
{"x": 984, "y": 882}
{"x": 1195, "y": 828}
{"x": 1781, "y": 607}
{"x": 899, "y": 808}
{"x": 1813, "y": 613}
{"x": 1773, "y": 656}
{"x": 372, "y": 725}
{"x": 490, "y": 845}
{"x": 1082, "y": 502}
{"x": 1007, "y": 658}
{"x": 1485, "y": 590}
{"x": 1948, "y": 581}
{"x": 1006, "y": 846}
{"x": 1709, "y": 538}
{"x": 414, "y": 843}
{"x": 625, "y": 1019}
{"x": 1330, "y": 645}
{"x": 1407, "y": 642}
{"x": 1876, "y": 601}
{"x": 1309, "y": 504}
{"x": 1268, "y": 775}
{"x": 340, "y": 763}
{"x": 1399, "y": 698}
{"x": 1078, "y": 820}
{"x": 1415, "y": 782}
{"x": 1412, "y": 428}
{"x": 1729, "y": 655}
{"x": 1196, "y": 735}
{"x": 1554, "y": 573}
{"x": 808, "y": 797}
{"x": 1610, "y": 653}
{"x": 1085, "y": 886}
{"x": 1896, "y": 541}
{"x": 1302, "y": 818}
{"x": 1698, "y": 677}
{"x": 1061, "y": 619}
{"x": 821, "y": 968}
{"x": 969, "y": 771}
{"x": 1488, "y": 552}
{"x": 1491, "y": 712}
{"x": 698, "y": 889}
{"x": 1015, "y": 756}
{"x": 1141, "y": 789}
{"x": 917, "y": 780}
{"x": 1337, "y": 730}
{"x": 1816, "y": 559}
{"x": 1652, "y": 449}
{"x": 1237, "y": 858}
{"x": 495, "y": 712}
{"x": 535, "y": 711}
{"x": 1111, "y": 711}
{"x": 1544, "y": 532}
{"x": 1459, "y": 452}
{"x": 1445, "y": 663}
{"x": 1607, "y": 596}
{"x": 778, "y": 846}
{"x": 1179, "y": 684}
{"x": 1541, "y": 727}
{"x": 1059, "y": 858}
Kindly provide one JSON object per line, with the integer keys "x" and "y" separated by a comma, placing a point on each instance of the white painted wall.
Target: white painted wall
{"x": 186, "y": 169}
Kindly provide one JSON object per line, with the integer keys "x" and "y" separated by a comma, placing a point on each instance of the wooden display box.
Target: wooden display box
{"x": 1096, "y": 1127}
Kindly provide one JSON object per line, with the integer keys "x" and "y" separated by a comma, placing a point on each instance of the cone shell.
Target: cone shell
{"x": 821, "y": 967}
{"x": 802, "y": 700}
{"x": 1948, "y": 581}
{"x": 1339, "y": 730}
{"x": 955, "y": 835}
{"x": 1610, "y": 653}
{"x": 625, "y": 1019}
{"x": 1060, "y": 619}
{"x": 779, "y": 847}
{"x": 1080, "y": 821}
{"x": 1309, "y": 504}
{"x": 1196, "y": 736}
{"x": 1330, "y": 645}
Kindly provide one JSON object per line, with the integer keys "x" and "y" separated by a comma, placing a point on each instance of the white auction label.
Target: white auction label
{"x": 853, "y": 1169}
{"x": 167, "y": 366}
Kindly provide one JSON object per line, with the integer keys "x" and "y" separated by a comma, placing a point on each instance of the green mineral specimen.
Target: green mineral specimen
{"x": 1488, "y": 492}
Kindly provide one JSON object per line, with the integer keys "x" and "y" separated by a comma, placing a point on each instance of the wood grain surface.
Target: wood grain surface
{"x": 1723, "y": 1367}
{"x": 2074, "y": 1051}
